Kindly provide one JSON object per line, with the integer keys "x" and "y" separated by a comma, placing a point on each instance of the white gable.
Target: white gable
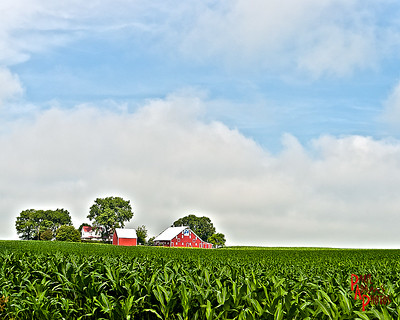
{"x": 126, "y": 233}
{"x": 169, "y": 233}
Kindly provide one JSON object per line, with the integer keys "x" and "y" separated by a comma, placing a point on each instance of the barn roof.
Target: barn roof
{"x": 169, "y": 233}
{"x": 126, "y": 233}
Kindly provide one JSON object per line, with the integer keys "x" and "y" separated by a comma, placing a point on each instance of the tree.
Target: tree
{"x": 26, "y": 226}
{"x": 68, "y": 233}
{"x": 151, "y": 241}
{"x": 141, "y": 234}
{"x": 46, "y": 235}
{"x": 202, "y": 226}
{"x": 58, "y": 217}
{"x": 217, "y": 239}
{"x": 108, "y": 214}
{"x": 32, "y": 223}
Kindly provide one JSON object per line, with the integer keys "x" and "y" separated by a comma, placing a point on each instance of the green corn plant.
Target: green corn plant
{"x": 63, "y": 281}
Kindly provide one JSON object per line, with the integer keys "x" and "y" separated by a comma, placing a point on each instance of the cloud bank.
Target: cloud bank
{"x": 169, "y": 161}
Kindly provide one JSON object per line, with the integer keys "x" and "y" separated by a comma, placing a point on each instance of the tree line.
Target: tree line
{"x": 106, "y": 214}
{"x": 35, "y": 224}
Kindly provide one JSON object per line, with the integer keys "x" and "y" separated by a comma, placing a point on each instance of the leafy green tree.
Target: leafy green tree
{"x": 25, "y": 225}
{"x": 141, "y": 233}
{"x": 68, "y": 233}
{"x": 217, "y": 239}
{"x": 58, "y": 217}
{"x": 110, "y": 213}
{"x": 31, "y": 223}
{"x": 46, "y": 235}
{"x": 151, "y": 241}
{"x": 202, "y": 226}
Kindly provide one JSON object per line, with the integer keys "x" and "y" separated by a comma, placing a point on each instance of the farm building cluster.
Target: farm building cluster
{"x": 170, "y": 237}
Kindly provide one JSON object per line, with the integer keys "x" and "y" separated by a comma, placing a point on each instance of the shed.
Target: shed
{"x": 125, "y": 237}
{"x": 180, "y": 237}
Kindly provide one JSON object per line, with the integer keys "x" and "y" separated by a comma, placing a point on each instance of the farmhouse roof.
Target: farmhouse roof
{"x": 170, "y": 233}
{"x": 126, "y": 233}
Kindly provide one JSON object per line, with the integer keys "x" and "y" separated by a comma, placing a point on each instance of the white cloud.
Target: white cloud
{"x": 336, "y": 51}
{"x": 169, "y": 163}
{"x": 311, "y": 36}
{"x": 10, "y": 86}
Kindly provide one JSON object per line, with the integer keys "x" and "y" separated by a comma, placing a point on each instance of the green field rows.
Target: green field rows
{"x": 50, "y": 280}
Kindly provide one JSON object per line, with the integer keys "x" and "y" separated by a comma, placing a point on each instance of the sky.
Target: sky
{"x": 279, "y": 120}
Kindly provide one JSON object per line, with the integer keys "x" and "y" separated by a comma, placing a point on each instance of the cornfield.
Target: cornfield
{"x": 50, "y": 280}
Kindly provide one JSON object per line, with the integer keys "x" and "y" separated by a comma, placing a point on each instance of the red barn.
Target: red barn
{"x": 125, "y": 237}
{"x": 180, "y": 237}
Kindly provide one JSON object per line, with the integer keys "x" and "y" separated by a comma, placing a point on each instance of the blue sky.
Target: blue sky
{"x": 181, "y": 107}
{"x": 130, "y": 66}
